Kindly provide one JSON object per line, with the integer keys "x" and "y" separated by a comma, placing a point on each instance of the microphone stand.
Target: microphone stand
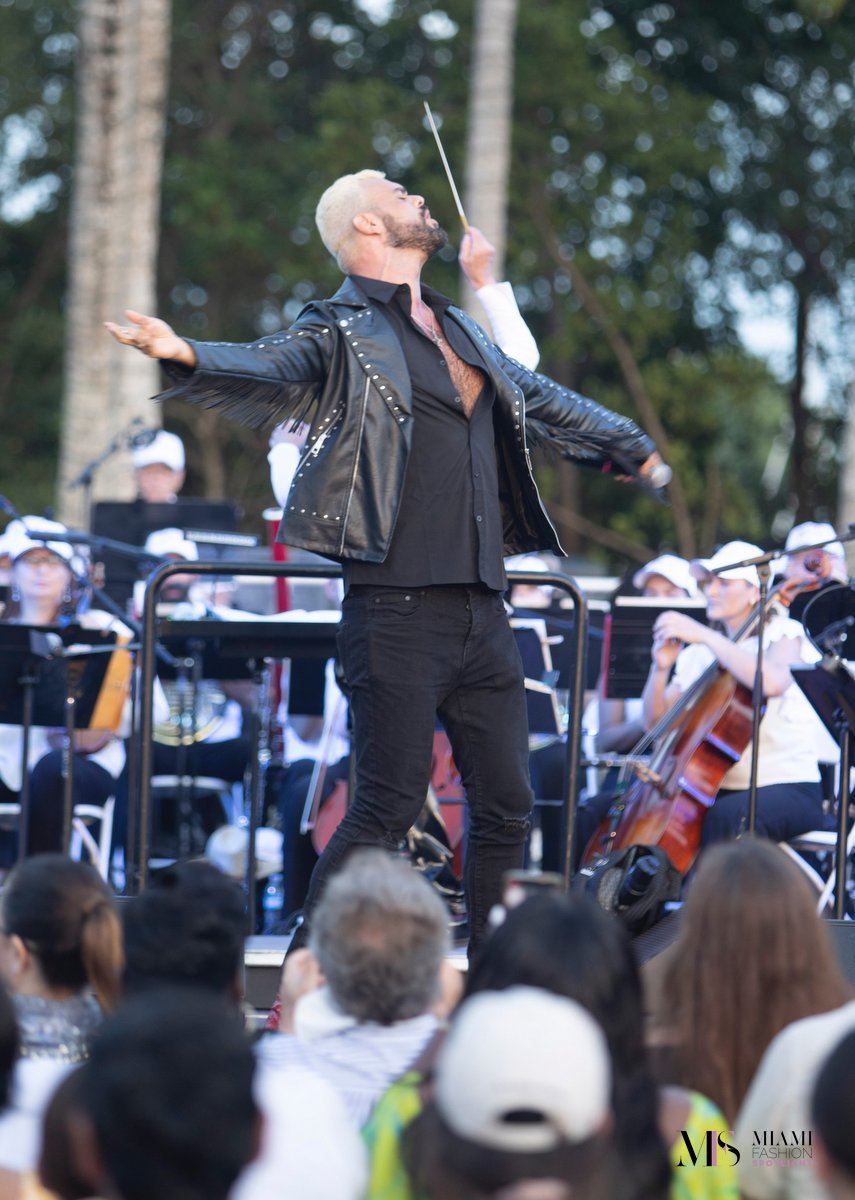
{"x": 764, "y": 570}
{"x": 123, "y": 440}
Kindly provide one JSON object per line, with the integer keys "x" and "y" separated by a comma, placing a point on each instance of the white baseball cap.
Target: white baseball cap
{"x": 669, "y": 566}
{"x": 165, "y": 448}
{"x": 811, "y": 532}
{"x": 33, "y": 533}
{"x": 732, "y": 552}
{"x": 523, "y": 1071}
{"x": 227, "y": 849}
{"x": 166, "y": 542}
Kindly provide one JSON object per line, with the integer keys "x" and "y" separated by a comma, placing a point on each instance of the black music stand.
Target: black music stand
{"x": 46, "y": 680}
{"x": 132, "y": 521}
{"x": 830, "y": 687}
{"x": 541, "y": 678}
{"x": 629, "y": 640}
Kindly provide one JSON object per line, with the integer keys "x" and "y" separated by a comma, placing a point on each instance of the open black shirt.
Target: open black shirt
{"x": 449, "y": 526}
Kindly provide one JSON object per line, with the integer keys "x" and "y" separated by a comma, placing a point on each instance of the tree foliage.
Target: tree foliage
{"x": 637, "y": 165}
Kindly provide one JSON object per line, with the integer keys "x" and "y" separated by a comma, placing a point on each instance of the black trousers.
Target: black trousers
{"x": 409, "y": 656}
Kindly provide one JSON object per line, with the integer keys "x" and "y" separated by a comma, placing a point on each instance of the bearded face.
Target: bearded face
{"x": 416, "y": 236}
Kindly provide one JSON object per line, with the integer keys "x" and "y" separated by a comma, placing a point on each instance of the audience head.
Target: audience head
{"x": 666, "y": 577}
{"x": 159, "y": 468}
{"x": 751, "y": 957}
{"x": 9, "y": 1046}
{"x": 569, "y": 946}
{"x": 521, "y": 1094}
{"x": 187, "y": 927}
{"x": 833, "y": 1120}
{"x": 810, "y": 566}
{"x": 168, "y": 1098}
{"x": 61, "y": 932}
{"x": 58, "y": 1169}
{"x": 380, "y": 933}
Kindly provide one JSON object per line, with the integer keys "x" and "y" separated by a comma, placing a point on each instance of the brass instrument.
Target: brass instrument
{"x": 196, "y": 711}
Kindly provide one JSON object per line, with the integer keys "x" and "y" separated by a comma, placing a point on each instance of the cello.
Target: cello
{"x": 697, "y": 741}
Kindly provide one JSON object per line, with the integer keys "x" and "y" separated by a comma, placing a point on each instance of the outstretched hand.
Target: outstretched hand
{"x": 153, "y": 337}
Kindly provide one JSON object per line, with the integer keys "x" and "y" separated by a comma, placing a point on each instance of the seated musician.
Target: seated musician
{"x": 823, "y": 600}
{"x": 619, "y": 722}
{"x": 218, "y": 746}
{"x": 315, "y": 750}
{"x": 43, "y": 593}
{"x": 159, "y": 468}
{"x": 789, "y": 795}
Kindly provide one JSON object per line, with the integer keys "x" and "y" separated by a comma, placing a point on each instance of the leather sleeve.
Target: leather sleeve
{"x": 576, "y": 427}
{"x": 260, "y": 382}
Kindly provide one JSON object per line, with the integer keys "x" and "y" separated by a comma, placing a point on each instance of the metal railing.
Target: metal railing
{"x": 139, "y": 801}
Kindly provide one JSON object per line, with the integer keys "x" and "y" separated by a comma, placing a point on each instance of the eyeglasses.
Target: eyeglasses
{"x": 42, "y": 558}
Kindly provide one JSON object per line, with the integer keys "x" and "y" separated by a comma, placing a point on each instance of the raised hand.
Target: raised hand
{"x": 153, "y": 337}
{"x": 476, "y": 258}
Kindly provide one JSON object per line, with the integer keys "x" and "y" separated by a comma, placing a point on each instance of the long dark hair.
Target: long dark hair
{"x": 444, "y": 1166}
{"x": 751, "y": 957}
{"x": 65, "y": 915}
{"x": 568, "y": 945}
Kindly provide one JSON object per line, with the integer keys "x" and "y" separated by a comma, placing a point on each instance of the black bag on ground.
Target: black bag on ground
{"x": 635, "y": 884}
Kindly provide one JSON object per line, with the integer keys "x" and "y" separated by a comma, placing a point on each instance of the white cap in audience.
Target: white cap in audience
{"x": 733, "y": 552}
{"x": 227, "y": 849}
{"x": 169, "y": 542}
{"x": 669, "y": 566}
{"x": 31, "y": 533}
{"x": 523, "y": 1070}
{"x": 165, "y": 448}
{"x": 809, "y": 533}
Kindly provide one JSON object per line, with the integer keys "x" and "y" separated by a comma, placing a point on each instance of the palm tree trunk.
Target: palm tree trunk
{"x": 122, "y": 82}
{"x": 488, "y": 142}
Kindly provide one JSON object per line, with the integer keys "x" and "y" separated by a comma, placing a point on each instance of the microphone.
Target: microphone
{"x": 659, "y": 476}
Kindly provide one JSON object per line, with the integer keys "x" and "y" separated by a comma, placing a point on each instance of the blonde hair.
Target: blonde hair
{"x": 336, "y": 209}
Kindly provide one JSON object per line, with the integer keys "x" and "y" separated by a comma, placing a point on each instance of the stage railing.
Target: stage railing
{"x": 139, "y": 800}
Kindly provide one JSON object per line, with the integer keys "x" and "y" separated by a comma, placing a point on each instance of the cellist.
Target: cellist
{"x": 789, "y": 793}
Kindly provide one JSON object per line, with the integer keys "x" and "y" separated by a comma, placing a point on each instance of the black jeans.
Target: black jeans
{"x": 408, "y": 656}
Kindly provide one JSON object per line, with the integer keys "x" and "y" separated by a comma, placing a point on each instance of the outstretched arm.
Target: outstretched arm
{"x": 153, "y": 337}
{"x": 580, "y": 429}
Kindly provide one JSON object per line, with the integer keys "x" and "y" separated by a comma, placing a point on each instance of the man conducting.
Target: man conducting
{"x": 416, "y": 477}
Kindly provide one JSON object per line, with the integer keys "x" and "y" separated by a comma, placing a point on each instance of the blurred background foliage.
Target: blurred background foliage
{"x": 677, "y": 169}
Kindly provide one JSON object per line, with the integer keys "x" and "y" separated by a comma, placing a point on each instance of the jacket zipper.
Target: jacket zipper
{"x": 356, "y": 458}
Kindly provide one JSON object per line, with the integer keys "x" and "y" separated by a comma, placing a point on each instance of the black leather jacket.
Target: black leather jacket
{"x": 342, "y": 363}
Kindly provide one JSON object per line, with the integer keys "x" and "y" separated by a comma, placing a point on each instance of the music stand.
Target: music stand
{"x": 830, "y": 687}
{"x": 226, "y": 657}
{"x": 540, "y": 678}
{"x": 132, "y": 521}
{"x": 629, "y": 640}
{"x": 45, "y": 680}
